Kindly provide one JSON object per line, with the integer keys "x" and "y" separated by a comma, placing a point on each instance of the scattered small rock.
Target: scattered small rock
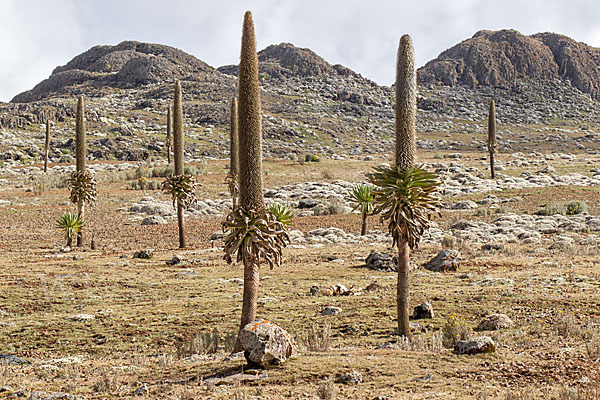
{"x": 381, "y": 262}
{"x": 11, "y": 359}
{"x": 479, "y": 344}
{"x": 446, "y": 260}
{"x": 373, "y": 286}
{"x": 143, "y": 254}
{"x": 154, "y": 220}
{"x": 423, "y": 311}
{"x": 331, "y": 310}
{"x": 493, "y": 322}
{"x": 349, "y": 378}
{"x": 176, "y": 260}
{"x": 83, "y": 317}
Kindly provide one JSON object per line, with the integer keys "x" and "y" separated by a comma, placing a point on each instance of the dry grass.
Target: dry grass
{"x": 142, "y": 308}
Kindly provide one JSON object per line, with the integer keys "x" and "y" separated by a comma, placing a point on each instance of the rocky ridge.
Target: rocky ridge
{"x": 309, "y": 105}
{"x": 506, "y": 57}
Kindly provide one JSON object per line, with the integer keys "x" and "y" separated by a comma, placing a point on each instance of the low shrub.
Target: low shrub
{"x": 564, "y": 208}
{"x": 454, "y": 330}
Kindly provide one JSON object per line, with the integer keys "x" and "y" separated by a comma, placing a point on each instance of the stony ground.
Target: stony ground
{"x": 102, "y": 324}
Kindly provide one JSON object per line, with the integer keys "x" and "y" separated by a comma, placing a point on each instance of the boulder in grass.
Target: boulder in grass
{"x": 494, "y": 322}
{"x": 423, "y": 311}
{"x": 479, "y": 344}
{"x": 446, "y": 260}
{"x": 264, "y": 343}
{"x": 11, "y": 359}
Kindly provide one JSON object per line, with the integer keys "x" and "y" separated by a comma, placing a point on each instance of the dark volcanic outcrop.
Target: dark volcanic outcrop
{"x": 285, "y": 60}
{"x": 128, "y": 64}
{"x": 502, "y": 58}
{"x": 575, "y": 60}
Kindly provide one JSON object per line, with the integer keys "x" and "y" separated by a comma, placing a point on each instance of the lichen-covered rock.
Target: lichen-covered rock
{"x": 381, "y": 262}
{"x": 423, "y": 311}
{"x": 446, "y": 260}
{"x": 479, "y": 344}
{"x": 11, "y": 359}
{"x": 494, "y": 322}
{"x": 264, "y": 343}
{"x": 154, "y": 220}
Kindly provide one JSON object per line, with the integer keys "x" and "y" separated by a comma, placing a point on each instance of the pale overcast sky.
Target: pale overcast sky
{"x": 38, "y": 35}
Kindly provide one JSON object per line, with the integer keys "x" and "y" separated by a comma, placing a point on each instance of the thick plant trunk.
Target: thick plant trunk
{"x": 180, "y": 225}
{"x": 251, "y": 281}
{"x": 234, "y": 202}
{"x": 363, "y": 229}
{"x": 80, "y": 211}
{"x": 403, "y": 296}
{"x": 492, "y": 165}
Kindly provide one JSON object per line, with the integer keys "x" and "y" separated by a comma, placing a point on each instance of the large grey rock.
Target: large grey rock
{"x": 494, "y": 322}
{"x": 11, "y": 359}
{"x": 465, "y": 205}
{"x": 264, "y": 343}
{"x": 479, "y": 344}
{"x": 331, "y": 310}
{"x": 446, "y": 260}
{"x": 381, "y": 262}
{"x": 423, "y": 311}
{"x": 154, "y": 220}
{"x": 350, "y": 378}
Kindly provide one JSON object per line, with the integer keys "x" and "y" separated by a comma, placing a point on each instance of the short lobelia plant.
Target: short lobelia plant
{"x": 169, "y": 139}
{"x": 491, "y": 142}
{"x": 253, "y": 232}
{"x": 47, "y": 145}
{"x": 362, "y": 195}
{"x": 81, "y": 182}
{"x": 70, "y": 224}
{"x": 180, "y": 186}
{"x": 282, "y": 213}
{"x": 232, "y": 179}
{"x": 405, "y": 195}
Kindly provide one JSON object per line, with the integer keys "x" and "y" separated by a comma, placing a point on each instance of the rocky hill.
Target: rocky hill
{"x": 285, "y": 60}
{"x": 311, "y": 106}
{"x": 504, "y": 58}
{"x": 128, "y": 64}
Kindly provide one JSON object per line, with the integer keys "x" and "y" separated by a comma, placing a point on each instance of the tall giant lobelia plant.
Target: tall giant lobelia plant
{"x": 491, "y": 142}
{"x": 405, "y": 195}
{"x": 169, "y": 138}
{"x": 180, "y": 186}
{"x": 232, "y": 179}
{"x": 253, "y": 232}
{"x": 47, "y": 145}
{"x": 82, "y": 183}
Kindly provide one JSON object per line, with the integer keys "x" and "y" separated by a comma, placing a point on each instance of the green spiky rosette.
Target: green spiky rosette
{"x": 405, "y": 198}
{"x": 362, "y": 196}
{"x": 83, "y": 187}
{"x": 254, "y": 237}
{"x": 182, "y": 188}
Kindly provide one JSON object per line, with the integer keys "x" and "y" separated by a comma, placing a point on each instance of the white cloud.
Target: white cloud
{"x": 38, "y": 35}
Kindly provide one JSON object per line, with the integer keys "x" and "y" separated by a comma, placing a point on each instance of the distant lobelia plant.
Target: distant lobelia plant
{"x": 362, "y": 195}
{"x": 232, "y": 179}
{"x": 81, "y": 182}
{"x": 47, "y": 145}
{"x": 180, "y": 186}
{"x": 70, "y": 224}
{"x": 253, "y": 232}
{"x": 169, "y": 139}
{"x": 405, "y": 195}
{"x": 491, "y": 142}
